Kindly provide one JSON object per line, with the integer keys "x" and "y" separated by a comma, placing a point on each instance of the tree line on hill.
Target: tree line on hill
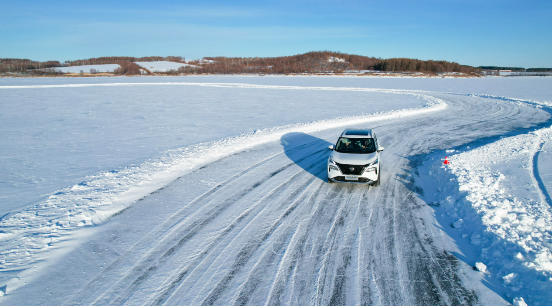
{"x": 502, "y": 68}
{"x": 302, "y": 63}
{"x": 323, "y": 61}
{"x": 130, "y": 68}
{"x": 24, "y": 65}
{"x": 516, "y": 69}
{"x": 311, "y": 62}
{"x": 539, "y": 70}
{"x": 117, "y": 59}
{"x": 414, "y": 65}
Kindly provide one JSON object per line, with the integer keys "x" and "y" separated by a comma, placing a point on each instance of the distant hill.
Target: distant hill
{"x": 325, "y": 61}
{"x": 117, "y": 59}
{"x": 311, "y": 62}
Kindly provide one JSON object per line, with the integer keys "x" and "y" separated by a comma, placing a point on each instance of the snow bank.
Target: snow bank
{"x": 537, "y": 104}
{"x": 495, "y": 197}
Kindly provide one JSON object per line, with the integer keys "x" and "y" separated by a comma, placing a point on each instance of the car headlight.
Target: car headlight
{"x": 332, "y": 164}
{"x": 370, "y": 168}
{"x": 373, "y": 163}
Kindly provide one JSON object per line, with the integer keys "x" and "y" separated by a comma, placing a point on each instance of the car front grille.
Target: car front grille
{"x": 351, "y": 169}
{"x": 360, "y": 179}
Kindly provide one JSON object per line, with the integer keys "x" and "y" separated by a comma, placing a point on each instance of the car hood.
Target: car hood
{"x": 354, "y": 159}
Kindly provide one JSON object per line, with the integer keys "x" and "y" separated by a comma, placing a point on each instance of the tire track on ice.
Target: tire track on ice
{"x": 246, "y": 252}
{"x": 366, "y": 273}
{"x": 273, "y": 251}
{"x": 289, "y": 266}
{"x": 296, "y": 194}
{"x": 149, "y": 266}
{"x": 535, "y": 175}
{"x": 346, "y": 259}
{"x": 328, "y": 274}
{"x": 169, "y": 229}
{"x": 165, "y": 229}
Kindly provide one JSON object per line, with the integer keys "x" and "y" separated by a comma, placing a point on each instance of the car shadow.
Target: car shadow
{"x": 308, "y": 152}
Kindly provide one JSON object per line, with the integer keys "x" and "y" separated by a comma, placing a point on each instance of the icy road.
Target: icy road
{"x": 261, "y": 226}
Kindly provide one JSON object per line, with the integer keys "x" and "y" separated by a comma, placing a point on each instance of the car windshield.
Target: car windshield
{"x": 355, "y": 145}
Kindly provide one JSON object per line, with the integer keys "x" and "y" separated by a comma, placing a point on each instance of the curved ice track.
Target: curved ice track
{"x": 269, "y": 230}
{"x": 535, "y": 175}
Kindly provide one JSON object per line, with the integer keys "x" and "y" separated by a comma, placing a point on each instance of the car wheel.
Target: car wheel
{"x": 329, "y": 181}
{"x": 377, "y": 183}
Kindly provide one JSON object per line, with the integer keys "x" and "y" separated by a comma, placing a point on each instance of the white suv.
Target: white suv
{"x": 355, "y": 158}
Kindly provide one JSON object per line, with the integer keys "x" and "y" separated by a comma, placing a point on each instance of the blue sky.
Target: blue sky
{"x": 484, "y": 32}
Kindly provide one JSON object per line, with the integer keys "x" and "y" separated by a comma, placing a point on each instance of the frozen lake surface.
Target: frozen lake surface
{"x": 248, "y": 156}
{"x": 55, "y": 137}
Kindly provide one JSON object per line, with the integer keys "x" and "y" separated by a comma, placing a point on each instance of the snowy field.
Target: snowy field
{"x": 162, "y": 66}
{"x": 56, "y": 137}
{"x": 210, "y": 190}
{"x": 157, "y": 66}
{"x": 87, "y": 68}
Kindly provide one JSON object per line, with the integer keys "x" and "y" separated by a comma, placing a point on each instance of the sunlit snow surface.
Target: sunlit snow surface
{"x": 87, "y": 68}
{"x": 162, "y": 66}
{"x": 56, "y": 136}
{"x": 496, "y": 196}
{"x": 77, "y": 154}
{"x": 157, "y": 66}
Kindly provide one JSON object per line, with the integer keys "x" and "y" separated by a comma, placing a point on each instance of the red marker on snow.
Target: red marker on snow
{"x": 446, "y": 162}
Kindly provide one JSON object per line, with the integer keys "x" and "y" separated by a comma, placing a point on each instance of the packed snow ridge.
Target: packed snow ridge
{"x": 495, "y": 196}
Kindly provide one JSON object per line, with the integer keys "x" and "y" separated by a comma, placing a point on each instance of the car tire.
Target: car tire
{"x": 329, "y": 181}
{"x": 377, "y": 182}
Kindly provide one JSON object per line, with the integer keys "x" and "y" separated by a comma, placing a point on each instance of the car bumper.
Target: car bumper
{"x": 368, "y": 177}
{"x": 361, "y": 180}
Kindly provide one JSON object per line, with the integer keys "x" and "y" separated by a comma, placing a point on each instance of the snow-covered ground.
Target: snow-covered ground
{"x": 162, "y": 66}
{"x": 56, "y": 137}
{"x": 336, "y": 59}
{"x": 80, "y": 152}
{"x": 495, "y": 198}
{"x": 157, "y": 66}
{"x": 87, "y": 68}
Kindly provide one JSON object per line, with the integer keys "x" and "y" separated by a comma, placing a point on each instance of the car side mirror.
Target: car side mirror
{"x": 380, "y": 149}
{"x": 330, "y": 147}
